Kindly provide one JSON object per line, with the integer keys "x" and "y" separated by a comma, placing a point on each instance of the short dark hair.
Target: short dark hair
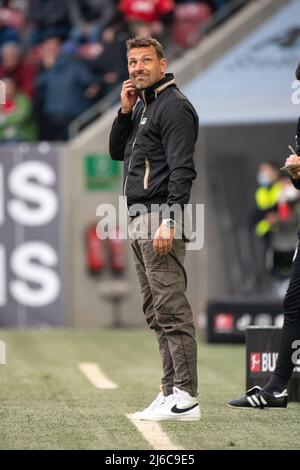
{"x": 137, "y": 42}
{"x": 297, "y": 73}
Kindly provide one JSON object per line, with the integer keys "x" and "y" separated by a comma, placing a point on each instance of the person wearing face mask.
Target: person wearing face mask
{"x": 264, "y": 220}
{"x": 266, "y": 198}
{"x": 274, "y": 393}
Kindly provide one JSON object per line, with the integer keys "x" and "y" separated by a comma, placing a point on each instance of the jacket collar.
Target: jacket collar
{"x": 150, "y": 93}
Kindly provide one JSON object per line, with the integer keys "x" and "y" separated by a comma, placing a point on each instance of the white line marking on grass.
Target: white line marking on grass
{"x": 95, "y": 375}
{"x": 153, "y": 433}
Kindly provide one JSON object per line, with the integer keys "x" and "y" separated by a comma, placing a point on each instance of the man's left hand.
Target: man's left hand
{"x": 163, "y": 239}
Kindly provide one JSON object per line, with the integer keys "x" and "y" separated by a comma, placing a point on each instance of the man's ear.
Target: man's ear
{"x": 163, "y": 65}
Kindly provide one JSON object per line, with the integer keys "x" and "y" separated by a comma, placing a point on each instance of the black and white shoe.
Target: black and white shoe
{"x": 180, "y": 406}
{"x": 257, "y": 398}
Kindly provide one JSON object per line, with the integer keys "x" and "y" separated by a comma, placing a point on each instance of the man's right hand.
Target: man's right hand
{"x": 293, "y": 171}
{"x": 129, "y": 96}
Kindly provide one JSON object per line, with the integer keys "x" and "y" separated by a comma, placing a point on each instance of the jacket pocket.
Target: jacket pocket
{"x": 147, "y": 173}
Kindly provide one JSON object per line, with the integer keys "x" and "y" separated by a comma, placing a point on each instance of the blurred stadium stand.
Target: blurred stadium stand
{"x": 91, "y": 35}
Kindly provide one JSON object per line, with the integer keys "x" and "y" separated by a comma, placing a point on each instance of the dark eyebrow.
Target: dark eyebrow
{"x": 145, "y": 56}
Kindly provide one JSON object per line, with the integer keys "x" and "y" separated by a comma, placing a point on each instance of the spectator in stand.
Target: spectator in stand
{"x": 64, "y": 90}
{"x": 110, "y": 66}
{"x": 13, "y": 66}
{"x": 16, "y": 117}
{"x": 156, "y": 14}
{"x": 189, "y": 18}
{"x": 7, "y": 33}
{"x": 90, "y": 18}
{"x": 15, "y": 4}
{"x": 49, "y": 18}
{"x": 14, "y": 12}
{"x": 215, "y": 5}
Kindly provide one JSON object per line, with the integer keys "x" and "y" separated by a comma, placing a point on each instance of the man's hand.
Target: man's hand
{"x": 293, "y": 171}
{"x": 129, "y": 96}
{"x": 163, "y": 239}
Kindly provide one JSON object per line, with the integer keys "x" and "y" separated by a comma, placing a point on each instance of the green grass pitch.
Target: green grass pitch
{"x": 47, "y": 403}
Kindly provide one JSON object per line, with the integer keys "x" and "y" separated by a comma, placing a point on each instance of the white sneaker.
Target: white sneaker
{"x": 158, "y": 401}
{"x": 180, "y": 406}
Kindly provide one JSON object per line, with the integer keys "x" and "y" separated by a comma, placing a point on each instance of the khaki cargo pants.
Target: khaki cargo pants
{"x": 162, "y": 281}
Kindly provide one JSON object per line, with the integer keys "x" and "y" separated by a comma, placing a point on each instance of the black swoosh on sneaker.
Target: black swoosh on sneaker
{"x": 183, "y": 410}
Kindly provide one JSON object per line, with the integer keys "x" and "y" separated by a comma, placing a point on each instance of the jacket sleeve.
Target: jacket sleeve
{"x": 179, "y": 132}
{"x": 119, "y": 135}
{"x": 296, "y": 183}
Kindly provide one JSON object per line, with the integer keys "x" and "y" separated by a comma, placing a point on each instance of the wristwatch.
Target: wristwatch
{"x": 170, "y": 223}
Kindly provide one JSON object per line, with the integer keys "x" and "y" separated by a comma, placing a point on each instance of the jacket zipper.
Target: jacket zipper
{"x": 133, "y": 144}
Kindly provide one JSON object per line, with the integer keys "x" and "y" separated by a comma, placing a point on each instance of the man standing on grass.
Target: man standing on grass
{"x": 155, "y": 134}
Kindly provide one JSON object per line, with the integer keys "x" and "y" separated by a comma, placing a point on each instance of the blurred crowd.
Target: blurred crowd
{"x": 59, "y": 57}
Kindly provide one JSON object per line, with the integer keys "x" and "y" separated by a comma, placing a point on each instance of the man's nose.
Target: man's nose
{"x": 139, "y": 65}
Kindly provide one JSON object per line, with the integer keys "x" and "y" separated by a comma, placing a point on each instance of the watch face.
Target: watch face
{"x": 170, "y": 223}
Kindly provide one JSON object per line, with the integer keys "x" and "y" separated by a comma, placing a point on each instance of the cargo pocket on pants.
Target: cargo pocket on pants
{"x": 167, "y": 291}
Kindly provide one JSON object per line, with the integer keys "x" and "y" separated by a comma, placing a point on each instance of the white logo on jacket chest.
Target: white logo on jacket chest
{"x": 143, "y": 121}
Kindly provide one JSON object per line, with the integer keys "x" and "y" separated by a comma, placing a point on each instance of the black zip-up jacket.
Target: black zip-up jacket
{"x": 156, "y": 142}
